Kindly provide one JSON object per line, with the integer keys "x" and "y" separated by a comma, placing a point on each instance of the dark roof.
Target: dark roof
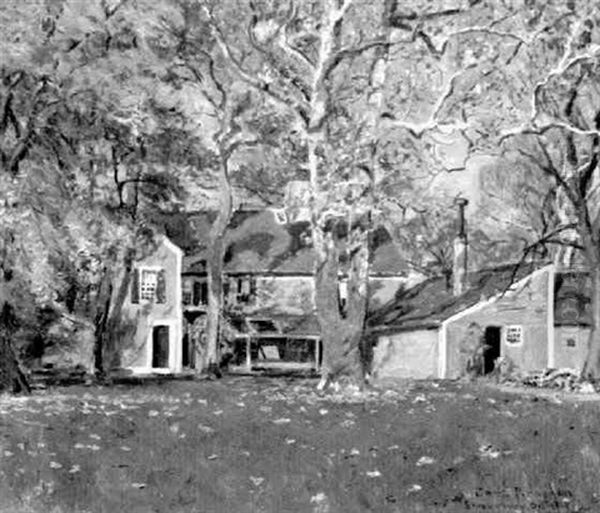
{"x": 572, "y": 298}
{"x": 431, "y": 302}
{"x": 257, "y": 242}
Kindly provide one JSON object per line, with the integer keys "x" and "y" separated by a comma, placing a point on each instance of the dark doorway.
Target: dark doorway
{"x": 160, "y": 347}
{"x": 185, "y": 351}
{"x": 491, "y": 349}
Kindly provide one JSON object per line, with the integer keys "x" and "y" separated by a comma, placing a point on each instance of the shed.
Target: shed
{"x": 427, "y": 332}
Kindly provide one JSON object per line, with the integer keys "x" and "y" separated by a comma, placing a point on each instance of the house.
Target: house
{"x": 536, "y": 316}
{"x": 152, "y": 312}
{"x": 268, "y": 288}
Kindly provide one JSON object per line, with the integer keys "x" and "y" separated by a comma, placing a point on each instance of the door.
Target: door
{"x": 491, "y": 349}
{"x": 160, "y": 347}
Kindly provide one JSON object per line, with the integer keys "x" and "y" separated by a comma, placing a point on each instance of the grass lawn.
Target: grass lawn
{"x": 275, "y": 445}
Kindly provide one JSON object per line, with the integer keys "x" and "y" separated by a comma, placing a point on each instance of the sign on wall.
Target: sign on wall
{"x": 514, "y": 335}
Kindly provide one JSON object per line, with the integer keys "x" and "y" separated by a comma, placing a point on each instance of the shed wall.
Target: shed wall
{"x": 526, "y": 307}
{"x": 570, "y": 346}
{"x": 408, "y": 354}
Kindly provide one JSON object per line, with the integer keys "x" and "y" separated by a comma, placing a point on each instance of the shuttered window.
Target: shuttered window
{"x": 149, "y": 284}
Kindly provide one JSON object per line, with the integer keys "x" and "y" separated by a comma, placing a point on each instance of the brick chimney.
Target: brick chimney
{"x": 459, "y": 266}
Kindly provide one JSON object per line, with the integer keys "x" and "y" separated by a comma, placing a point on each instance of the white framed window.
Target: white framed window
{"x": 148, "y": 284}
{"x": 513, "y": 335}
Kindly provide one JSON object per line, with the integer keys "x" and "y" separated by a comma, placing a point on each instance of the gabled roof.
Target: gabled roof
{"x": 431, "y": 302}
{"x": 260, "y": 241}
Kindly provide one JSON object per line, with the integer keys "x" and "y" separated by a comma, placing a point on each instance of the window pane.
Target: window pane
{"x": 148, "y": 284}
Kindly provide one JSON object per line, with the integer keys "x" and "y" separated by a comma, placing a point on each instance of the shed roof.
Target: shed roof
{"x": 431, "y": 302}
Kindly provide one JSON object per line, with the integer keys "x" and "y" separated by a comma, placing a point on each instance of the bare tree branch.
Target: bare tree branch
{"x": 300, "y": 108}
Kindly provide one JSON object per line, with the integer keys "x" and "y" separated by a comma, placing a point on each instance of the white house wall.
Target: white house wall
{"x": 136, "y": 350}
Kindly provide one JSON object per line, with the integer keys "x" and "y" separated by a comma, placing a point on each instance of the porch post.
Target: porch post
{"x": 248, "y": 354}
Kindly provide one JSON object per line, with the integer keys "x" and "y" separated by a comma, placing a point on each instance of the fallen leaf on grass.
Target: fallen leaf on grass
{"x": 257, "y": 481}
{"x": 205, "y": 429}
{"x": 373, "y": 473}
{"x": 283, "y": 420}
{"x": 323, "y": 411}
{"x": 218, "y": 412}
{"x": 393, "y": 447}
{"x": 347, "y": 423}
{"x": 139, "y": 486}
{"x": 8, "y": 454}
{"x": 290, "y": 441}
{"x": 425, "y": 460}
{"x": 95, "y": 437}
{"x": 125, "y": 448}
{"x": 320, "y": 499}
{"x": 55, "y": 464}
{"x": 354, "y": 452}
{"x": 488, "y": 451}
{"x": 74, "y": 469}
{"x": 152, "y": 413}
{"x": 202, "y": 401}
{"x": 213, "y": 457}
{"x": 415, "y": 488}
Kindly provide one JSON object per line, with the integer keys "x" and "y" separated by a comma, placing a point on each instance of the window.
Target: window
{"x": 514, "y": 335}
{"x": 187, "y": 291}
{"x": 195, "y": 291}
{"x": 200, "y": 292}
{"x": 148, "y": 285}
{"x": 241, "y": 289}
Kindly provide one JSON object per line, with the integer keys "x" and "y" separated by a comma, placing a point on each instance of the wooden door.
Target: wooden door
{"x": 160, "y": 347}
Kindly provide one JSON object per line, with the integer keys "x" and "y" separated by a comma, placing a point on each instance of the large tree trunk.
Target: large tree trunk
{"x": 342, "y": 326}
{"x": 216, "y": 255}
{"x": 103, "y": 302}
{"x": 108, "y": 319}
{"x": 591, "y": 368}
{"x": 12, "y": 378}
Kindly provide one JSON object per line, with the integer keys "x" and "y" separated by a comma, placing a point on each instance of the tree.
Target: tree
{"x": 85, "y": 124}
{"x": 235, "y": 123}
{"x": 552, "y": 127}
{"x": 369, "y": 87}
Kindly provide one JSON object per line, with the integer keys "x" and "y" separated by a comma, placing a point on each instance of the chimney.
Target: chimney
{"x": 459, "y": 267}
